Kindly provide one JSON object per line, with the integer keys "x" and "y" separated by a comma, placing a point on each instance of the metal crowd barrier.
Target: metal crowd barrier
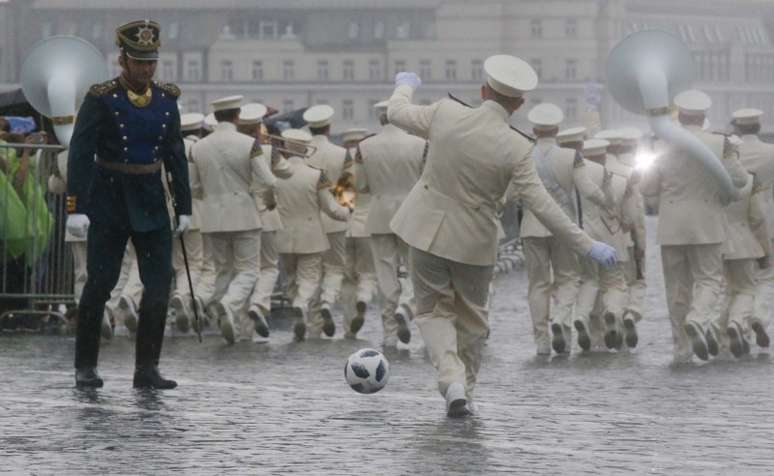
{"x": 36, "y": 269}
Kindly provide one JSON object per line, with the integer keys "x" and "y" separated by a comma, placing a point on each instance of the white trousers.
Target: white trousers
{"x": 236, "y": 266}
{"x": 205, "y": 287}
{"x": 304, "y": 272}
{"x": 269, "y": 272}
{"x": 452, "y": 315}
{"x": 359, "y": 278}
{"x": 637, "y": 287}
{"x": 764, "y": 294}
{"x": 333, "y": 268}
{"x": 693, "y": 277}
{"x": 195, "y": 253}
{"x": 390, "y": 253}
{"x": 548, "y": 258}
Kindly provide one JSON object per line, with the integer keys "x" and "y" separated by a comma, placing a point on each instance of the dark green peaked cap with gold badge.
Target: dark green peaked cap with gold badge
{"x": 140, "y": 39}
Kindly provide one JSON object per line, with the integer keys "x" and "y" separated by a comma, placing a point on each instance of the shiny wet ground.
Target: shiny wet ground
{"x": 284, "y": 408}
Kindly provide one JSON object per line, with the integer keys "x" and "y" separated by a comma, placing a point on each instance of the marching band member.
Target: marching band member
{"x": 359, "y": 286}
{"x": 388, "y": 165}
{"x": 330, "y": 158}
{"x": 190, "y": 127}
{"x": 229, "y": 168}
{"x": 250, "y": 123}
{"x": 562, "y": 172}
{"x": 758, "y": 157}
{"x": 302, "y": 240}
{"x": 692, "y": 229}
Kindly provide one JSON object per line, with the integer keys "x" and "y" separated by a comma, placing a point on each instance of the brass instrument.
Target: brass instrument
{"x": 278, "y": 143}
{"x": 344, "y": 190}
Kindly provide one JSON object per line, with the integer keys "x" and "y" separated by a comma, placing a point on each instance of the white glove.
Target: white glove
{"x": 408, "y": 79}
{"x": 603, "y": 254}
{"x": 77, "y": 225}
{"x": 183, "y": 224}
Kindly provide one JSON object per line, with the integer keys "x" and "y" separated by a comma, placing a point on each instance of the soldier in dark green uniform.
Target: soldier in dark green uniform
{"x": 126, "y": 129}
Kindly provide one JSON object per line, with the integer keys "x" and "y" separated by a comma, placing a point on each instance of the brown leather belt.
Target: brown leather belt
{"x": 130, "y": 169}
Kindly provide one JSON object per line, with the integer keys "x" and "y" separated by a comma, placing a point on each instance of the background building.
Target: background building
{"x": 293, "y": 53}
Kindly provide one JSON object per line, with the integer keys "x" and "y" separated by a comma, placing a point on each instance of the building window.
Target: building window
{"x": 536, "y": 28}
{"x": 322, "y": 70}
{"x": 193, "y": 70}
{"x": 571, "y": 28}
{"x": 191, "y": 105}
{"x": 571, "y": 109}
{"x": 403, "y": 31}
{"x": 173, "y": 30}
{"x": 347, "y": 110}
{"x": 287, "y": 105}
{"x": 570, "y": 69}
{"x": 226, "y": 70}
{"x": 374, "y": 70}
{"x": 451, "y": 70}
{"x": 476, "y": 70}
{"x": 353, "y": 32}
{"x": 537, "y": 65}
{"x": 379, "y": 30}
{"x": 425, "y": 69}
{"x": 288, "y": 70}
{"x": 46, "y": 29}
{"x": 168, "y": 70}
{"x": 348, "y": 70}
{"x": 400, "y": 66}
{"x": 321, "y": 101}
{"x": 371, "y": 110}
{"x": 257, "y": 71}
{"x": 268, "y": 30}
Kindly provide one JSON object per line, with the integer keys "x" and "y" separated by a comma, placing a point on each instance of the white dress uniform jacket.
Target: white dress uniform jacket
{"x": 230, "y": 167}
{"x": 472, "y": 158}
{"x": 300, "y": 200}
{"x": 329, "y": 158}
{"x": 388, "y": 166}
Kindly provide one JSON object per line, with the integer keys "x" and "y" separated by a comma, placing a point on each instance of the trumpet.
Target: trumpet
{"x": 280, "y": 144}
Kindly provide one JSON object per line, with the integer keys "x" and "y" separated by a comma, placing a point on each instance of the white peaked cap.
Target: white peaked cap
{"x": 354, "y": 134}
{"x": 229, "y": 102}
{"x": 319, "y": 116}
{"x": 595, "y": 147}
{"x": 297, "y": 135}
{"x": 381, "y": 106}
{"x": 631, "y": 135}
{"x": 693, "y": 102}
{"x": 545, "y": 116}
{"x": 191, "y": 121}
{"x": 509, "y": 75}
{"x": 210, "y": 121}
{"x": 747, "y": 116}
{"x": 573, "y": 134}
{"x": 252, "y": 113}
{"x": 614, "y": 136}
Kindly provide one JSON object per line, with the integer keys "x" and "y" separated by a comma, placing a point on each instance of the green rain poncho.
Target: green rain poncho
{"x": 25, "y": 221}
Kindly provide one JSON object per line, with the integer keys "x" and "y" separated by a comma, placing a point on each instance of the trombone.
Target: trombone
{"x": 280, "y": 144}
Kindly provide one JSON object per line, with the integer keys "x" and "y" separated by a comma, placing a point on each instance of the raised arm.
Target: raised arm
{"x": 409, "y": 117}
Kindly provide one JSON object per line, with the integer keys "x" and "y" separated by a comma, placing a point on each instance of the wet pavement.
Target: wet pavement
{"x": 284, "y": 408}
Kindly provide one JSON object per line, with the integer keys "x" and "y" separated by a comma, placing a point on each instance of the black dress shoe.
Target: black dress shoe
{"x": 761, "y": 337}
{"x": 149, "y": 377}
{"x": 259, "y": 322}
{"x": 329, "y": 327}
{"x": 557, "y": 341}
{"x": 88, "y": 377}
{"x": 712, "y": 344}
{"x": 699, "y": 345}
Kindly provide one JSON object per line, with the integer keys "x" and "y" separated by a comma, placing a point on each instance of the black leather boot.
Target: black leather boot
{"x": 87, "y": 377}
{"x": 87, "y": 336}
{"x": 149, "y": 377}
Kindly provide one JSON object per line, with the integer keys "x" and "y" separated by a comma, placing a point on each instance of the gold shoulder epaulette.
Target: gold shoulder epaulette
{"x": 168, "y": 88}
{"x": 100, "y": 89}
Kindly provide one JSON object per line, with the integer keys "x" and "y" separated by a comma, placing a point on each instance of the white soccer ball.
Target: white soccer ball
{"x": 367, "y": 371}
